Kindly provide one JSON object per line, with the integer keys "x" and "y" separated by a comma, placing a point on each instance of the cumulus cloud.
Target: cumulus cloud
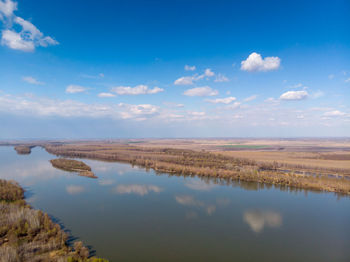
{"x": 190, "y": 68}
{"x": 226, "y": 100}
{"x": 334, "y": 113}
{"x": 255, "y": 63}
{"x": 25, "y": 39}
{"x": 106, "y": 95}
{"x": 73, "y": 89}
{"x": 7, "y": 7}
{"x": 15, "y": 41}
{"x": 201, "y": 91}
{"x": 140, "y": 190}
{"x": 294, "y": 95}
{"x": 32, "y": 80}
{"x": 221, "y": 78}
{"x": 137, "y": 90}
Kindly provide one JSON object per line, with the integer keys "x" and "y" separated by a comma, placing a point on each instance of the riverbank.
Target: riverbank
{"x": 200, "y": 163}
{"x": 27, "y": 234}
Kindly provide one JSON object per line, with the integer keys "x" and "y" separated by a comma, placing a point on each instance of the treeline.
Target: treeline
{"x": 199, "y": 163}
{"x": 30, "y": 235}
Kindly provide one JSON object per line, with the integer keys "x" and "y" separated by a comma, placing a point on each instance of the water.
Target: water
{"x": 130, "y": 214}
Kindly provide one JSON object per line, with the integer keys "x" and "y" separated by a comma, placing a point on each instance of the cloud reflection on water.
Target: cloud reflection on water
{"x": 258, "y": 219}
{"x": 137, "y": 189}
{"x": 106, "y": 182}
{"x": 74, "y": 190}
{"x": 190, "y": 201}
{"x": 199, "y": 185}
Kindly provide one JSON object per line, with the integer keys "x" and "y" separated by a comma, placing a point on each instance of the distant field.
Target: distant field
{"x": 245, "y": 146}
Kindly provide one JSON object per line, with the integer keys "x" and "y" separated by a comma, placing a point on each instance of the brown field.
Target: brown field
{"x": 327, "y": 154}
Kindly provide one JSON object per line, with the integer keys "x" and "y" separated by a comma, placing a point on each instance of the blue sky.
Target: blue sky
{"x": 109, "y": 69}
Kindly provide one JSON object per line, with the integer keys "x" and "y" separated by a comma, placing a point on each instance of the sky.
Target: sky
{"x": 186, "y": 68}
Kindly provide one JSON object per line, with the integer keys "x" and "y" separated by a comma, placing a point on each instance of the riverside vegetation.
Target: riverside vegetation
{"x": 73, "y": 166}
{"x": 201, "y": 163}
{"x": 30, "y": 235}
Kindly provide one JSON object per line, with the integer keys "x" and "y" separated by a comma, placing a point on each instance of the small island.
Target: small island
{"x": 23, "y": 150}
{"x": 73, "y": 166}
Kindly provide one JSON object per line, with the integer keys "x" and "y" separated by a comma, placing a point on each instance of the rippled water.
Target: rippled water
{"x": 130, "y": 214}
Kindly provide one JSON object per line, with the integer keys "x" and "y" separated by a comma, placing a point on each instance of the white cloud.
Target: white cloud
{"x": 250, "y": 98}
{"x": 256, "y": 63}
{"x": 137, "y": 90}
{"x": 221, "y": 78}
{"x": 100, "y": 75}
{"x": 194, "y": 113}
{"x": 201, "y": 91}
{"x": 334, "y": 113}
{"x": 294, "y": 95}
{"x": 189, "y": 80}
{"x": 235, "y": 105}
{"x": 73, "y": 89}
{"x": 25, "y": 39}
{"x": 185, "y": 80}
{"x": 44, "y": 107}
{"x": 32, "y": 80}
{"x": 190, "y": 68}
{"x": 106, "y": 95}
{"x": 226, "y": 100}
{"x": 140, "y": 190}
{"x": 208, "y": 72}
{"x": 7, "y": 8}
{"x": 15, "y": 41}
{"x": 347, "y": 80}
{"x": 138, "y": 112}
{"x": 331, "y": 76}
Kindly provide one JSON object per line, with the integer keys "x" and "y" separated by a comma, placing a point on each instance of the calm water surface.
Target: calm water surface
{"x": 130, "y": 214}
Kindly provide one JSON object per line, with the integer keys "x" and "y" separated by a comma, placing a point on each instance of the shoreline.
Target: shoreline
{"x": 202, "y": 164}
{"x": 29, "y": 234}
